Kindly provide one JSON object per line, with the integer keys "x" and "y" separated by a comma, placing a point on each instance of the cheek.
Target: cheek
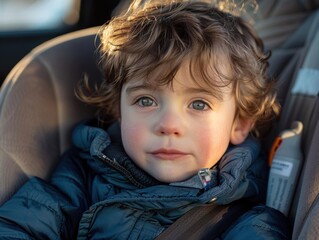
{"x": 133, "y": 136}
{"x": 213, "y": 143}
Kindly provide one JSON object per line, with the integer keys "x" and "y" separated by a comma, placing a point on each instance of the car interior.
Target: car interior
{"x": 38, "y": 108}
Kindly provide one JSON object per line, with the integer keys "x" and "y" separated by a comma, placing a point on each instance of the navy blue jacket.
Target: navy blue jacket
{"x": 97, "y": 192}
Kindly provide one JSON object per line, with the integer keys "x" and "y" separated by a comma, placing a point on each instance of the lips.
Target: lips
{"x": 168, "y": 154}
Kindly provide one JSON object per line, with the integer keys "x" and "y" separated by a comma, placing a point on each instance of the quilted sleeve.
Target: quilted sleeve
{"x": 47, "y": 210}
{"x": 259, "y": 223}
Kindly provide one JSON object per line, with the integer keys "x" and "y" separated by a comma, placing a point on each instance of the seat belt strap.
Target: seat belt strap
{"x": 205, "y": 222}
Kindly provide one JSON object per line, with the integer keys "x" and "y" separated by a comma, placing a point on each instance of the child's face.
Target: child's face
{"x": 172, "y": 132}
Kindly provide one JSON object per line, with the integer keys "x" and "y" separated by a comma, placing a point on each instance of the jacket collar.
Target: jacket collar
{"x": 107, "y": 145}
{"x": 228, "y": 179}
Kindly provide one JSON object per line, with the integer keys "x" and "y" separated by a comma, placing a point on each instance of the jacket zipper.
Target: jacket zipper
{"x": 121, "y": 169}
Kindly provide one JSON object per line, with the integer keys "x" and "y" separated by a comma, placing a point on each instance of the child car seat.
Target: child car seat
{"x": 295, "y": 64}
{"x": 302, "y": 103}
{"x": 38, "y": 107}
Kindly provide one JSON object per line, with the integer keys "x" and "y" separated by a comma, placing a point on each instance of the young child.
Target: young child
{"x": 184, "y": 97}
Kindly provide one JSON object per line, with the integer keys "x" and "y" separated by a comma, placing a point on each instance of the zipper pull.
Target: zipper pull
{"x": 205, "y": 177}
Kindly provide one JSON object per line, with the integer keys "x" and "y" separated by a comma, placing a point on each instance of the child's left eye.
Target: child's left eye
{"x": 199, "y": 105}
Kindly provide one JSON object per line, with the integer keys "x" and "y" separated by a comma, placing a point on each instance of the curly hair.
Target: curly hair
{"x": 158, "y": 37}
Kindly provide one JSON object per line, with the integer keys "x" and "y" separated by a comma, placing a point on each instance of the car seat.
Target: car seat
{"x": 38, "y": 107}
{"x": 290, "y": 31}
{"x": 302, "y": 104}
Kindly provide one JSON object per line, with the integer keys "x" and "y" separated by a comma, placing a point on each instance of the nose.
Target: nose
{"x": 169, "y": 122}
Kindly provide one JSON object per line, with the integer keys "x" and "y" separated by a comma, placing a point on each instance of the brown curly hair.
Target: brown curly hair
{"x": 160, "y": 36}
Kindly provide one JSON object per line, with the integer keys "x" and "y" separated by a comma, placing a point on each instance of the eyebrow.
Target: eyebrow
{"x": 216, "y": 95}
{"x": 199, "y": 90}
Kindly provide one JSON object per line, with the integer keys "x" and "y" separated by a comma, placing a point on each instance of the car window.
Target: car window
{"x": 38, "y": 14}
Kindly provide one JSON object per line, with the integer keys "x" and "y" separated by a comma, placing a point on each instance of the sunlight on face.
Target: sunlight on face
{"x": 171, "y": 132}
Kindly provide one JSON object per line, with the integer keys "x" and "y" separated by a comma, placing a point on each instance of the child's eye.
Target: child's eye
{"x": 145, "y": 102}
{"x": 199, "y": 105}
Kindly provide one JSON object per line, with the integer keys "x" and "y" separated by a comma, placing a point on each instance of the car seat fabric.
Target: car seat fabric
{"x": 34, "y": 91}
{"x": 290, "y": 30}
{"x": 295, "y": 63}
{"x": 276, "y": 20}
{"x": 303, "y": 104}
{"x": 38, "y": 107}
{"x": 284, "y": 26}
{"x": 289, "y": 49}
{"x": 307, "y": 216}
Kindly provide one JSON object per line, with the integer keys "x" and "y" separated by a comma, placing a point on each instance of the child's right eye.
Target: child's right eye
{"x": 145, "y": 102}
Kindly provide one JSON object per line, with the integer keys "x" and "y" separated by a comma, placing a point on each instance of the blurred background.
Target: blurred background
{"x": 24, "y": 24}
{"x": 37, "y": 14}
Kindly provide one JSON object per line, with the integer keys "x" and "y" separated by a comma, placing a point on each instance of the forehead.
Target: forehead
{"x": 206, "y": 71}
{"x": 190, "y": 73}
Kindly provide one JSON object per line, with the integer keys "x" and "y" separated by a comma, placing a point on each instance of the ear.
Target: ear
{"x": 240, "y": 130}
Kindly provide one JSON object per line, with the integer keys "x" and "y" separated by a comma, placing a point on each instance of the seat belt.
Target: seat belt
{"x": 205, "y": 222}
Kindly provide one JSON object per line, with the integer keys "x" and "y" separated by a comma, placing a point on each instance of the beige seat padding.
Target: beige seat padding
{"x": 38, "y": 107}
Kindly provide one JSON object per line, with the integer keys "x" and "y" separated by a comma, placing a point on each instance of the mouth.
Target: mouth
{"x": 168, "y": 154}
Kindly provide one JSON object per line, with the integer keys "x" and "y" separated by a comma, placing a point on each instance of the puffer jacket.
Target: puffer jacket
{"x": 97, "y": 192}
